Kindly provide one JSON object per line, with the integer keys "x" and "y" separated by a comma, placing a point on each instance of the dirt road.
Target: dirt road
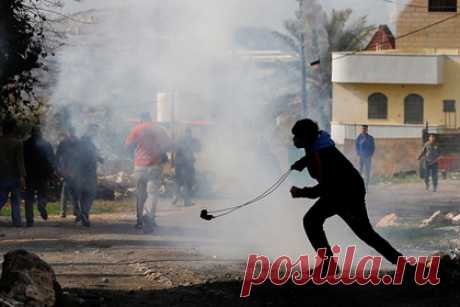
{"x": 179, "y": 265}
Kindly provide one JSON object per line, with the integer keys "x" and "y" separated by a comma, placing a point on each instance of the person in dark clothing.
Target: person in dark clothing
{"x": 184, "y": 163}
{"x": 39, "y": 162}
{"x": 365, "y": 148}
{"x": 430, "y": 156}
{"x": 12, "y": 170}
{"x": 65, "y": 160}
{"x": 86, "y": 174}
{"x": 340, "y": 190}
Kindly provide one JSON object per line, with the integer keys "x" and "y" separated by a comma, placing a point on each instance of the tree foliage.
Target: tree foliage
{"x": 321, "y": 34}
{"x": 22, "y": 50}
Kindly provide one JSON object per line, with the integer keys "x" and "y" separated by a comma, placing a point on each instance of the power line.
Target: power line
{"x": 407, "y": 34}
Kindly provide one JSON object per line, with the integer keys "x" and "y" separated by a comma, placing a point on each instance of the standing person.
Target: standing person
{"x": 431, "y": 155}
{"x": 39, "y": 162}
{"x": 340, "y": 190}
{"x": 86, "y": 174}
{"x": 365, "y": 148}
{"x": 150, "y": 143}
{"x": 13, "y": 172}
{"x": 65, "y": 162}
{"x": 184, "y": 163}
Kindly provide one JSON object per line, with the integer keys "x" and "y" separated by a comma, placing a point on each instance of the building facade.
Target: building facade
{"x": 397, "y": 91}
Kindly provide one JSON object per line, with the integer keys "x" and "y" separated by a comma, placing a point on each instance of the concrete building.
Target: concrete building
{"x": 396, "y": 91}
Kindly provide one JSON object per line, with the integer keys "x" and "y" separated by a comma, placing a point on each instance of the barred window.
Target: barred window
{"x": 449, "y": 106}
{"x": 442, "y": 5}
{"x": 413, "y": 109}
{"x": 377, "y": 106}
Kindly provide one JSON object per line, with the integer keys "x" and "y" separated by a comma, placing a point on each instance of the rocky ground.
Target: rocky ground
{"x": 187, "y": 263}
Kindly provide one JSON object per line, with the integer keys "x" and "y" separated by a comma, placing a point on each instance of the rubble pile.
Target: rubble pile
{"x": 115, "y": 187}
{"x": 389, "y": 220}
{"x": 439, "y": 219}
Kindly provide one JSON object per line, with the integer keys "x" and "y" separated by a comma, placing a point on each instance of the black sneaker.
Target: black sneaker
{"x": 77, "y": 219}
{"x": 43, "y": 213}
{"x": 85, "y": 221}
{"x": 30, "y": 224}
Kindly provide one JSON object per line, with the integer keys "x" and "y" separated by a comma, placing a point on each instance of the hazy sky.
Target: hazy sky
{"x": 271, "y": 13}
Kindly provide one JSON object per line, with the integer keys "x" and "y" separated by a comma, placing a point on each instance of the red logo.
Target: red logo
{"x": 367, "y": 270}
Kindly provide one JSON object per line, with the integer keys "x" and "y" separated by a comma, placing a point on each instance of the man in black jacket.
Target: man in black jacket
{"x": 39, "y": 162}
{"x": 340, "y": 190}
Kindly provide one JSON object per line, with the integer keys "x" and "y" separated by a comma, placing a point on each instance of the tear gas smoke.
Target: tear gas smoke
{"x": 111, "y": 70}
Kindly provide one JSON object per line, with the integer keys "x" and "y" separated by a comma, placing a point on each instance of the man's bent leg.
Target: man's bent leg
{"x": 356, "y": 217}
{"x": 313, "y": 223}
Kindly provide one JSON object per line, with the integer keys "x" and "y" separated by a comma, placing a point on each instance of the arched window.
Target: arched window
{"x": 413, "y": 109}
{"x": 377, "y": 106}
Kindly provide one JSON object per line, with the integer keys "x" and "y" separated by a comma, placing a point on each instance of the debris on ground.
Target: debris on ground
{"x": 440, "y": 219}
{"x": 389, "y": 220}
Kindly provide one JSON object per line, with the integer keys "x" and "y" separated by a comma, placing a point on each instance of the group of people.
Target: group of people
{"x": 32, "y": 164}
{"x": 429, "y": 158}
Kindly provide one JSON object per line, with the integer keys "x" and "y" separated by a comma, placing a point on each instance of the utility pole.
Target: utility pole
{"x": 303, "y": 65}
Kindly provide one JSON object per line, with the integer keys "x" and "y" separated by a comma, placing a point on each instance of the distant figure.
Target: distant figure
{"x": 12, "y": 170}
{"x": 39, "y": 161}
{"x": 184, "y": 163}
{"x": 150, "y": 144}
{"x": 86, "y": 175}
{"x": 365, "y": 148}
{"x": 430, "y": 158}
{"x": 340, "y": 190}
{"x": 65, "y": 162}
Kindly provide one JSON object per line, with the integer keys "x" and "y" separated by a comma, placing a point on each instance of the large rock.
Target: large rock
{"x": 28, "y": 280}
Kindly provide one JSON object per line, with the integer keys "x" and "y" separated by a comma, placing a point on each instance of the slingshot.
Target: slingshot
{"x": 209, "y": 215}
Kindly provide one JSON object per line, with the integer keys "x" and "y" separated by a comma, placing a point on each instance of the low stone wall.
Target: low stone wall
{"x": 392, "y": 156}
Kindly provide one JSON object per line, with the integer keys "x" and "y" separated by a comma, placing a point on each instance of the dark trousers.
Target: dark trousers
{"x": 86, "y": 199}
{"x": 12, "y": 189}
{"x": 354, "y": 213}
{"x": 431, "y": 171}
{"x": 35, "y": 189}
{"x": 185, "y": 179}
{"x": 69, "y": 192}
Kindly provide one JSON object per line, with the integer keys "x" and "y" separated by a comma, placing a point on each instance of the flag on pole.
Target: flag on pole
{"x": 316, "y": 65}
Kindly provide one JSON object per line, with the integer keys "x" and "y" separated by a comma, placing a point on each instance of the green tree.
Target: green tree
{"x": 320, "y": 34}
{"x": 21, "y": 52}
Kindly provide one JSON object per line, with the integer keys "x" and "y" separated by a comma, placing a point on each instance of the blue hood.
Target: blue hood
{"x": 323, "y": 141}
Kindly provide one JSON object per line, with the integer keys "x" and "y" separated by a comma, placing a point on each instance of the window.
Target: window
{"x": 449, "y": 106}
{"x": 442, "y": 5}
{"x": 377, "y": 106}
{"x": 413, "y": 109}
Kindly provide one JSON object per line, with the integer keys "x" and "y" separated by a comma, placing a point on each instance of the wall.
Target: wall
{"x": 445, "y": 35}
{"x": 350, "y": 99}
{"x": 387, "y": 161}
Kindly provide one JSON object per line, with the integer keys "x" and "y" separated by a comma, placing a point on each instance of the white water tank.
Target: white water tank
{"x": 164, "y": 107}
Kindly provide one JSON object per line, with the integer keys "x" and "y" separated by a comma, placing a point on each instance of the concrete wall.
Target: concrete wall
{"x": 445, "y": 35}
{"x": 392, "y": 156}
{"x": 350, "y": 99}
{"x": 387, "y": 68}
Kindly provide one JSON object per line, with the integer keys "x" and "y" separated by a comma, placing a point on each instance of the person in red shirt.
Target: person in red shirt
{"x": 150, "y": 143}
